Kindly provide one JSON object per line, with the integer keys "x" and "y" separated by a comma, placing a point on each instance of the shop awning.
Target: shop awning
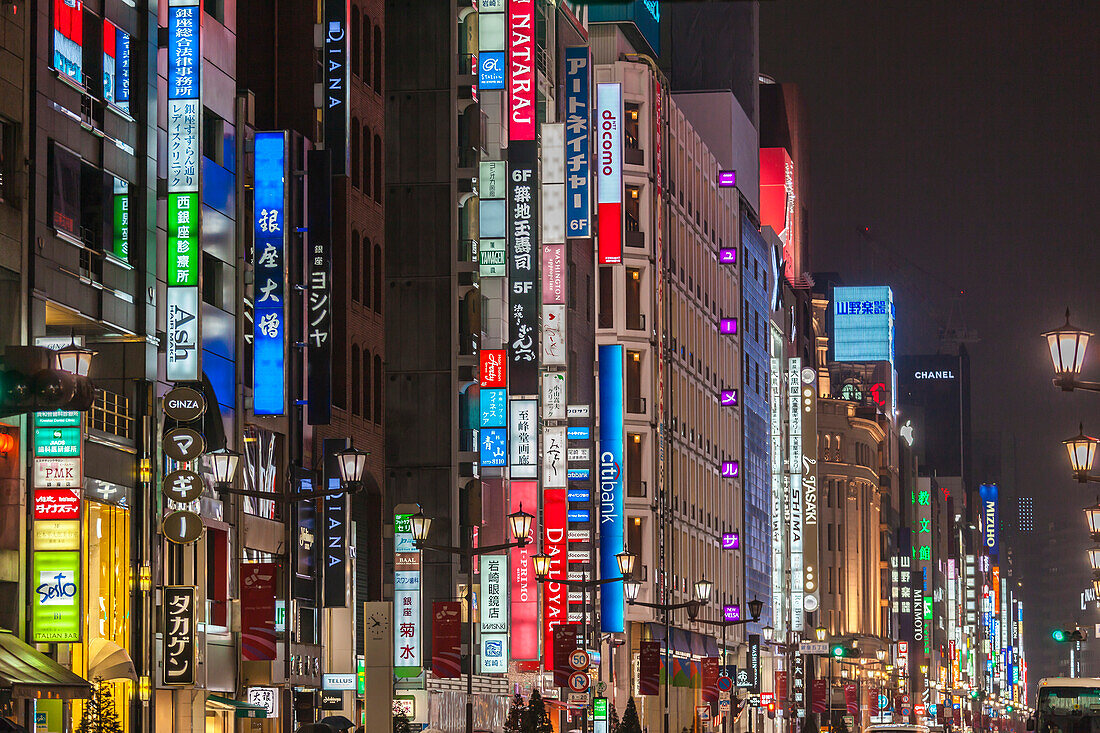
{"x": 30, "y": 674}
{"x": 240, "y": 709}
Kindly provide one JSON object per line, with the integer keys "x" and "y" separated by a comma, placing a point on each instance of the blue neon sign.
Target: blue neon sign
{"x": 863, "y": 323}
{"x": 611, "y": 524}
{"x": 494, "y": 447}
{"x": 269, "y": 332}
{"x": 183, "y": 51}
{"x": 490, "y": 70}
{"x": 577, "y": 433}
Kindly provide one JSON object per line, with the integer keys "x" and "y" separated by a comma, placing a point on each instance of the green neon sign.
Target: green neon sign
{"x": 54, "y": 442}
{"x": 57, "y": 419}
{"x": 56, "y": 600}
{"x": 183, "y": 239}
{"x": 599, "y": 708}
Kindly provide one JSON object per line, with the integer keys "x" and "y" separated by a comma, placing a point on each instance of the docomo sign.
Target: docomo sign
{"x": 521, "y": 70}
{"x": 609, "y": 191}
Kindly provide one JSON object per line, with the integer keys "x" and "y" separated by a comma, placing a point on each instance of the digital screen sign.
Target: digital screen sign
{"x": 269, "y": 381}
{"x": 863, "y": 323}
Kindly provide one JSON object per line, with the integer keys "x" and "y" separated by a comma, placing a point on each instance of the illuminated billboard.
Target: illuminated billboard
{"x": 611, "y": 523}
{"x": 269, "y": 381}
{"x": 863, "y": 323}
{"x": 609, "y": 171}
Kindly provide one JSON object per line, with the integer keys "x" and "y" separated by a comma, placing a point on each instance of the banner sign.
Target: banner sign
{"x": 269, "y": 340}
{"x": 811, "y": 572}
{"x": 492, "y": 369}
{"x": 179, "y": 635}
{"x": 258, "y": 611}
{"x": 553, "y": 457}
{"x": 335, "y": 109}
{"x": 55, "y": 504}
{"x": 609, "y": 171}
{"x": 523, "y": 592}
{"x": 523, "y": 302}
{"x": 649, "y": 678}
{"x": 611, "y": 521}
{"x": 555, "y": 516}
{"x": 335, "y": 549}
{"x": 319, "y": 261}
{"x": 494, "y": 410}
{"x": 446, "y": 639}
{"x": 989, "y": 518}
{"x": 754, "y": 663}
{"x": 494, "y": 653}
{"x": 578, "y": 198}
{"x": 794, "y": 501}
{"x": 710, "y": 680}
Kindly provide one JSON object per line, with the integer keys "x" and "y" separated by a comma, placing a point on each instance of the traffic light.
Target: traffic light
{"x": 840, "y": 650}
{"x": 46, "y": 390}
{"x": 1063, "y": 635}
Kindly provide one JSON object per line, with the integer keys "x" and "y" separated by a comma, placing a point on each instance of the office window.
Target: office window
{"x": 377, "y": 278}
{"x": 116, "y": 66}
{"x": 354, "y": 265}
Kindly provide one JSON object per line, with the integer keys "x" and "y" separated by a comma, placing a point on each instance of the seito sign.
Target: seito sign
{"x": 184, "y": 404}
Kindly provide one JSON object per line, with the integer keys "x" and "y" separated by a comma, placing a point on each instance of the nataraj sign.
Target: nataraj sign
{"x": 521, "y": 70}
{"x": 57, "y": 473}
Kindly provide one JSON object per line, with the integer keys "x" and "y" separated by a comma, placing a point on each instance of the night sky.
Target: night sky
{"x": 966, "y": 137}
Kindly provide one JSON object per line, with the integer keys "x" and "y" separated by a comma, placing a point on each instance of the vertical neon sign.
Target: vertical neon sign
{"x": 269, "y": 382}
{"x": 611, "y": 523}
{"x": 609, "y": 179}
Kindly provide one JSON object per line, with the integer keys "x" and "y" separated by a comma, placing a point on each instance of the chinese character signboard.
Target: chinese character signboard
{"x": 184, "y": 215}
{"x": 319, "y": 304}
{"x": 794, "y": 502}
{"x": 523, "y": 254}
{"x": 494, "y": 594}
{"x": 523, "y": 438}
{"x": 269, "y": 331}
{"x": 523, "y": 590}
{"x": 577, "y": 182}
{"x": 521, "y": 70}
{"x": 179, "y": 635}
{"x": 406, "y": 599}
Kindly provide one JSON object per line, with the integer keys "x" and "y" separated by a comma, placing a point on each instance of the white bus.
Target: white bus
{"x": 1067, "y": 705}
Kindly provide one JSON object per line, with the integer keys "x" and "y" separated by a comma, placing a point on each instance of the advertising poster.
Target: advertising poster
{"x": 258, "y": 581}
{"x": 446, "y": 639}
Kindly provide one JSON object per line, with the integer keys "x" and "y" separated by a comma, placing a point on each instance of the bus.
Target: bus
{"x": 1066, "y": 705}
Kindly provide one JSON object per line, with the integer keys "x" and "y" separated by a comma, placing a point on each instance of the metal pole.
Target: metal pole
{"x": 668, "y": 659}
{"x": 723, "y": 655}
{"x": 470, "y": 633}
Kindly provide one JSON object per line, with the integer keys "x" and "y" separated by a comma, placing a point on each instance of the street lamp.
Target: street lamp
{"x": 756, "y": 607}
{"x": 703, "y": 589}
{"x": 352, "y": 463}
{"x": 520, "y": 525}
{"x": 75, "y": 359}
{"x": 769, "y": 633}
{"x": 1082, "y": 450}
{"x": 1067, "y": 352}
{"x": 820, "y": 633}
{"x": 1092, "y": 516}
{"x": 224, "y": 463}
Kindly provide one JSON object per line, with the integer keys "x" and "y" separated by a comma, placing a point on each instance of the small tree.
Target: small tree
{"x": 401, "y": 723}
{"x": 514, "y": 723}
{"x": 630, "y": 723}
{"x": 536, "y": 719}
{"x": 612, "y": 717}
{"x": 99, "y": 711}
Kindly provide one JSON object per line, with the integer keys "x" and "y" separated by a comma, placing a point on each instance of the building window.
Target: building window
{"x": 364, "y": 35}
{"x": 631, "y": 126}
{"x": 356, "y": 382}
{"x": 354, "y": 265}
{"x": 378, "y": 168}
{"x": 366, "y": 161}
{"x": 378, "y": 59}
{"x": 378, "y": 389}
{"x": 215, "y": 9}
{"x": 356, "y": 46}
{"x": 7, "y": 162}
{"x": 377, "y": 278}
{"x": 110, "y": 413}
{"x": 356, "y": 172}
{"x": 366, "y": 384}
{"x": 366, "y": 272}
{"x": 607, "y": 297}
{"x": 633, "y": 209}
{"x": 116, "y": 66}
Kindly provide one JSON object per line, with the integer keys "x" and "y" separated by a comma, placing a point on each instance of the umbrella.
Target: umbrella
{"x": 337, "y": 722}
{"x": 109, "y": 661}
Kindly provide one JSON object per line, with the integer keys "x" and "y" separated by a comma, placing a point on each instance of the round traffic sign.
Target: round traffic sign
{"x": 183, "y": 444}
{"x": 183, "y": 486}
{"x": 725, "y": 684}
{"x": 578, "y": 682}
{"x": 184, "y": 404}
{"x": 579, "y": 660}
{"x": 182, "y": 527}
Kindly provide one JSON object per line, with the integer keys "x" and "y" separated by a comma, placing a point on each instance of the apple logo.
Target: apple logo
{"x": 906, "y": 432}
